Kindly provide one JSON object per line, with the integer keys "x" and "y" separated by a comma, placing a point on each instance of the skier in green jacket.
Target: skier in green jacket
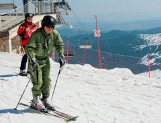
{"x": 38, "y": 49}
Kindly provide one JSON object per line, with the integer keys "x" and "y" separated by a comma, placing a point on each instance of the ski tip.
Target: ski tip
{"x": 72, "y": 119}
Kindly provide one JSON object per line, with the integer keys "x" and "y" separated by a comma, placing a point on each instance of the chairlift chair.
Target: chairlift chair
{"x": 84, "y": 43}
{"x": 85, "y": 46}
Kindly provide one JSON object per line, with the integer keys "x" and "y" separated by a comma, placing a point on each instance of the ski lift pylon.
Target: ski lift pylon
{"x": 69, "y": 51}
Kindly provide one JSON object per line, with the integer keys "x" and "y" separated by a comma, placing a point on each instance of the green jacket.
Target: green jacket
{"x": 40, "y": 45}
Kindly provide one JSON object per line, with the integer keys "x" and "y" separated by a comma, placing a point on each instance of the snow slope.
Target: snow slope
{"x": 152, "y": 45}
{"x": 97, "y": 96}
{"x": 150, "y": 40}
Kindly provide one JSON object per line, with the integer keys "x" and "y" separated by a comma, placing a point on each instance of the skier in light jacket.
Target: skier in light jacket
{"x": 38, "y": 49}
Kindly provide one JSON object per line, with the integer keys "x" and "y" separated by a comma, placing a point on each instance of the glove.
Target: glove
{"x": 61, "y": 61}
{"x": 35, "y": 64}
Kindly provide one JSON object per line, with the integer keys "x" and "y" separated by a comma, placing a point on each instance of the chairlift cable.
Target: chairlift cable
{"x": 81, "y": 24}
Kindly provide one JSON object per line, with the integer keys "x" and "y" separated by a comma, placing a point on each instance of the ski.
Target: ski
{"x": 18, "y": 74}
{"x": 65, "y": 114}
{"x": 3, "y": 79}
{"x": 54, "y": 113}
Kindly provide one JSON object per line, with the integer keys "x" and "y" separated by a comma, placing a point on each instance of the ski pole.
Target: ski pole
{"x": 23, "y": 93}
{"x": 56, "y": 82}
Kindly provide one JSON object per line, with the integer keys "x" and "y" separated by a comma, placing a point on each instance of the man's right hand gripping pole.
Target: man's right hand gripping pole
{"x": 61, "y": 61}
{"x": 34, "y": 64}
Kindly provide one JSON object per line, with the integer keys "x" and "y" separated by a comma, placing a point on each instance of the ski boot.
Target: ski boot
{"x": 48, "y": 104}
{"x": 23, "y": 73}
{"x": 38, "y": 105}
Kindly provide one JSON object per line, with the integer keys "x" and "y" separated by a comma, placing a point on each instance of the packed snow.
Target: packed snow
{"x": 95, "y": 95}
{"x": 150, "y": 40}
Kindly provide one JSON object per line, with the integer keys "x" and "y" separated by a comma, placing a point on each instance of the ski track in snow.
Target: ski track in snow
{"x": 96, "y": 96}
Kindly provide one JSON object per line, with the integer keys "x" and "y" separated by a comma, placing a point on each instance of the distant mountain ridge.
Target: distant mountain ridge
{"x": 124, "y": 26}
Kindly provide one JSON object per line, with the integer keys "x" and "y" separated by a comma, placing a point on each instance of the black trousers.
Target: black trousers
{"x": 23, "y": 61}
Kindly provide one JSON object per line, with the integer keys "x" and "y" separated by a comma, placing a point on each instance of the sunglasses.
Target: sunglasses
{"x": 52, "y": 27}
{"x": 29, "y": 18}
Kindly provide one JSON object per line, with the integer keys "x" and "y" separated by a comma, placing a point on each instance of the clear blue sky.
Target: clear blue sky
{"x": 117, "y": 10}
{"x": 112, "y": 10}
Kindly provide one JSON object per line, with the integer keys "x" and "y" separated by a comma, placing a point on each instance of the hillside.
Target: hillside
{"x": 120, "y": 42}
